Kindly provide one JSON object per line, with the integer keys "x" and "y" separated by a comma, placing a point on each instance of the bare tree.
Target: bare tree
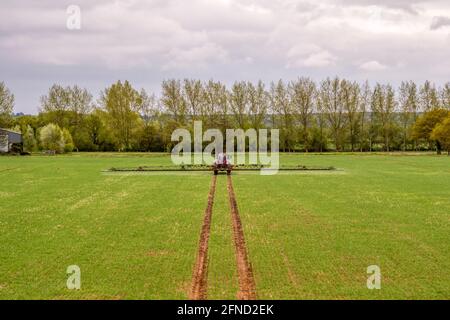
{"x": 350, "y": 99}
{"x": 6, "y": 105}
{"x": 321, "y": 119}
{"x": 445, "y": 96}
{"x": 193, "y": 96}
{"x": 148, "y": 107}
{"x": 239, "y": 103}
{"x": 330, "y": 91}
{"x": 216, "y": 105}
{"x": 383, "y": 106}
{"x": 302, "y": 93}
{"x": 57, "y": 101}
{"x": 281, "y": 106}
{"x": 428, "y": 97}
{"x": 258, "y": 104}
{"x": 408, "y": 108}
{"x": 364, "y": 108}
{"x": 173, "y": 102}
{"x": 80, "y": 103}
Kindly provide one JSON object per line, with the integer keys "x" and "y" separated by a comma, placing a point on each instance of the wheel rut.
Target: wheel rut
{"x": 247, "y": 287}
{"x": 199, "y": 286}
{"x": 200, "y": 274}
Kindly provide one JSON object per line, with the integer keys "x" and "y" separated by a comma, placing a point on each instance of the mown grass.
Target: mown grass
{"x": 132, "y": 236}
{"x": 309, "y": 235}
{"x": 314, "y": 235}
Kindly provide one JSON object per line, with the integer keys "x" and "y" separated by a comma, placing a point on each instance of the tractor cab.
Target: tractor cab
{"x": 222, "y": 163}
{"x": 223, "y": 158}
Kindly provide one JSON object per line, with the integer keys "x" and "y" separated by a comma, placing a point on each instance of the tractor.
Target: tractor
{"x": 222, "y": 163}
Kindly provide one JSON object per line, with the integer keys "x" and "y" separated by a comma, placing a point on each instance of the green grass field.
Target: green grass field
{"x": 309, "y": 235}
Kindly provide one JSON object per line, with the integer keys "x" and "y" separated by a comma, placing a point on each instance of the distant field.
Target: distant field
{"x": 309, "y": 235}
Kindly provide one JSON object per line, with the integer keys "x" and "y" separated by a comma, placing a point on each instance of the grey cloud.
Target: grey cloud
{"x": 439, "y": 22}
{"x": 409, "y": 6}
{"x": 147, "y": 41}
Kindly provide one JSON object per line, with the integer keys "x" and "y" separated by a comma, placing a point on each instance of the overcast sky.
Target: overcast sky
{"x": 148, "y": 41}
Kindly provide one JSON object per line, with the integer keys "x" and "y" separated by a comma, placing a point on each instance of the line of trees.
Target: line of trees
{"x": 331, "y": 115}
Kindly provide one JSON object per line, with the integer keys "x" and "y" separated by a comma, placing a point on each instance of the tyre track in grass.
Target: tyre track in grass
{"x": 200, "y": 275}
{"x": 247, "y": 287}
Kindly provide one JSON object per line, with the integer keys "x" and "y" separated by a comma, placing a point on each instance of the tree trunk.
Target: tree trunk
{"x": 321, "y": 139}
{"x": 351, "y": 140}
{"x": 404, "y": 141}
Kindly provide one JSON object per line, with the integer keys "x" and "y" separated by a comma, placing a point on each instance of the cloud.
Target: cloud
{"x": 228, "y": 40}
{"x": 439, "y": 22}
{"x": 408, "y": 6}
{"x": 309, "y": 55}
{"x": 197, "y": 57}
{"x": 319, "y": 59}
{"x": 372, "y": 66}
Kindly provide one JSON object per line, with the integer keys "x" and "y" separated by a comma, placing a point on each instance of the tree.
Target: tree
{"x": 429, "y": 98}
{"x": 441, "y": 133}
{"x": 302, "y": 94}
{"x": 148, "y": 107}
{"x": 239, "y": 104}
{"x": 68, "y": 141}
{"x": 408, "y": 109}
{"x": 80, "y": 104}
{"x": 173, "y": 102}
{"x": 308, "y": 114}
{"x": 56, "y": 104}
{"x": 51, "y": 137}
{"x": 258, "y": 104}
{"x": 364, "y": 107}
{"x": 68, "y": 108}
{"x": 445, "y": 96}
{"x": 121, "y": 102}
{"x": 383, "y": 107}
{"x": 282, "y": 107}
{"x": 350, "y": 93}
{"x": 150, "y": 133}
{"x": 321, "y": 121}
{"x": 97, "y": 130}
{"x": 216, "y": 105}
{"x": 29, "y": 140}
{"x": 330, "y": 91}
{"x": 425, "y": 125}
{"x": 6, "y": 106}
{"x": 193, "y": 96}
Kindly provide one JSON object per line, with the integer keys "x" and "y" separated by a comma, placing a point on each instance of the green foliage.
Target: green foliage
{"x": 65, "y": 105}
{"x": 122, "y": 101}
{"x": 426, "y": 123}
{"x": 29, "y": 140}
{"x": 334, "y": 114}
{"x": 68, "y": 141}
{"x": 51, "y": 138}
{"x": 441, "y": 133}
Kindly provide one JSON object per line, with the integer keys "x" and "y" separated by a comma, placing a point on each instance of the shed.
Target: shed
{"x": 8, "y": 138}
